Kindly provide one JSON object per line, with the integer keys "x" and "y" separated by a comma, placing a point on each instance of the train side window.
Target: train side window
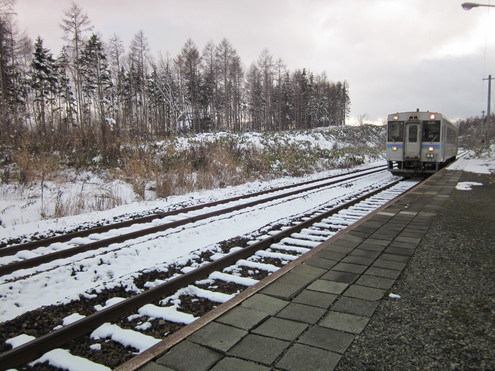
{"x": 395, "y": 131}
{"x": 413, "y": 134}
{"x": 431, "y": 131}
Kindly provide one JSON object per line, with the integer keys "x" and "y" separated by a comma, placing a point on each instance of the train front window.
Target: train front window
{"x": 395, "y": 131}
{"x": 431, "y": 131}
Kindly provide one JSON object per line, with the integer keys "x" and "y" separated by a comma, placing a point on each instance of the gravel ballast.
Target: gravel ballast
{"x": 445, "y": 316}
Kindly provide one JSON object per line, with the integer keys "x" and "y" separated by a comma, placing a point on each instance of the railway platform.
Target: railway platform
{"x": 311, "y": 312}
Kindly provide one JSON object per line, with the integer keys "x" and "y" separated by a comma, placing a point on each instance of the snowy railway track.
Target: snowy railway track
{"x": 144, "y": 319}
{"x": 36, "y": 253}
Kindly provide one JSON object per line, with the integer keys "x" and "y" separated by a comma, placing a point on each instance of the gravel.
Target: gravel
{"x": 445, "y": 318}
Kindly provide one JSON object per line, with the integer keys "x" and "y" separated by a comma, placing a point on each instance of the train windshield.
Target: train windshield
{"x": 395, "y": 131}
{"x": 431, "y": 131}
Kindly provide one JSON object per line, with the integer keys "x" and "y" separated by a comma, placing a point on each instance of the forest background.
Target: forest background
{"x": 96, "y": 91}
{"x": 99, "y": 107}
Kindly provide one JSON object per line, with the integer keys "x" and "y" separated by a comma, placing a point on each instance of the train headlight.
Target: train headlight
{"x": 432, "y": 116}
{"x": 431, "y": 149}
{"x": 394, "y": 148}
{"x": 396, "y": 117}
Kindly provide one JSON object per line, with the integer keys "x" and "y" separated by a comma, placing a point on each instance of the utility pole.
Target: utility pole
{"x": 490, "y": 78}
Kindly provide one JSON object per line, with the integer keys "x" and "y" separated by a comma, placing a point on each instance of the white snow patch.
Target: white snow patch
{"x": 467, "y": 186}
{"x": 128, "y": 338}
{"x": 19, "y": 340}
{"x": 144, "y": 326}
{"x": 244, "y": 281}
{"x": 108, "y": 303}
{"x": 167, "y": 313}
{"x": 74, "y": 317}
{"x": 63, "y": 359}
{"x": 96, "y": 347}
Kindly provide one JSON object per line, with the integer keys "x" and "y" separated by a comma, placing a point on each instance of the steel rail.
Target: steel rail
{"x": 61, "y": 254}
{"x": 11, "y": 250}
{"x": 37, "y": 347}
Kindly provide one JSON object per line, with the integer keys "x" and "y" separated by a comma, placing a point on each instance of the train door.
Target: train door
{"x": 412, "y": 142}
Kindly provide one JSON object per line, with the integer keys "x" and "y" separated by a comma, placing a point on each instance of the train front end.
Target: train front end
{"x": 414, "y": 143}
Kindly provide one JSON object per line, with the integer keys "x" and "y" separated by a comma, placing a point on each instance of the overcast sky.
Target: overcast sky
{"x": 397, "y": 55}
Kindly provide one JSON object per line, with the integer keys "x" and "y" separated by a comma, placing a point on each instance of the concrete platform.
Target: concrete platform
{"x": 308, "y": 317}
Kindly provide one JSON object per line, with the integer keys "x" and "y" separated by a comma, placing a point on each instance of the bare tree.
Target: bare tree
{"x": 75, "y": 24}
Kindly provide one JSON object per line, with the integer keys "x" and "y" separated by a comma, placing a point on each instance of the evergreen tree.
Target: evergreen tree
{"x": 96, "y": 79}
{"x": 44, "y": 84}
{"x": 188, "y": 63}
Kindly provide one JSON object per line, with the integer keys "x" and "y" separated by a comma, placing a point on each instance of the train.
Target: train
{"x": 419, "y": 143}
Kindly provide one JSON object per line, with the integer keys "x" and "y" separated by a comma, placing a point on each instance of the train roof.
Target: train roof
{"x": 415, "y": 115}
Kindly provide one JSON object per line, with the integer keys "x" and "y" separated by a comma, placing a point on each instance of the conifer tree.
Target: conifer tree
{"x": 44, "y": 84}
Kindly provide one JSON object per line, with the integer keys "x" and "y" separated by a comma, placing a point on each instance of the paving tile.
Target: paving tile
{"x": 302, "y": 275}
{"x": 259, "y": 349}
{"x": 361, "y": 260}
{"x": 376, "y": 282}
{"x": 303, "y": 357}
{"x": 409, "y": 240}
{"x": 238, "y": 364}
{"x": 359, "y": 307}
{"x": 327, "y": 253}
{"x": 243, "y": 318}
{"x": 329, "y": 287}
{"x": 326, "y": 338}
{"x": 412, "y": 233}
{"x": 344, "y": 322}
{"x": 396, "y": 258}
{"x": 218, "y": 336}
{"x": 198, "y": 357}
{"x": 350, "y": 268}
{"x": 402, "y": 245}
{"x": 363, "y": 292}
{"x": 315, "y": 299}
{"x": 152, "y": 366}
{"x": 282, "y": 290}
{"x": 316, "y": 261}
{"x": 387, "y": 264}
{"x": 280, "y": 328}
{"x": 308, "y": 272}
{"x": 385, "y": 236}
{"x": 302, "y": 313}
{"x": 371, "y": 247}
{"x": 363, "y": 233}
{"x": 349, "y": 237}
{"x": 365, "y": 253}
{"x": 382, "y": 272}
{"x": 338, "y": 276}
{"x": 339, "y": 248}
{"x": 399, "y": 251}
{"x": 265, "y": 304}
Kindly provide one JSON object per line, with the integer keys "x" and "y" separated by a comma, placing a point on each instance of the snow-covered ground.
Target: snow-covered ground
{"x": 484, "y": 164}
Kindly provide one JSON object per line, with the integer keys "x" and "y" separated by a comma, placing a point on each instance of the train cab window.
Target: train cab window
{"x": 413, "y": 134}
{"x": 431, "y": 131}
{"x": 395, "y": 131}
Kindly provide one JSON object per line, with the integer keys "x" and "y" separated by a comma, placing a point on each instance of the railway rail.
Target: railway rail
{"x": 265, "y": 255}
{"x": 143, "y": 224}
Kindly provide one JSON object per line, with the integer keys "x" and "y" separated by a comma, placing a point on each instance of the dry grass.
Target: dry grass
{"x": 160, "y": 167}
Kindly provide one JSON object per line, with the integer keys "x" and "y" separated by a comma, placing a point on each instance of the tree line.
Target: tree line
{"x": 98, "y": 91}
